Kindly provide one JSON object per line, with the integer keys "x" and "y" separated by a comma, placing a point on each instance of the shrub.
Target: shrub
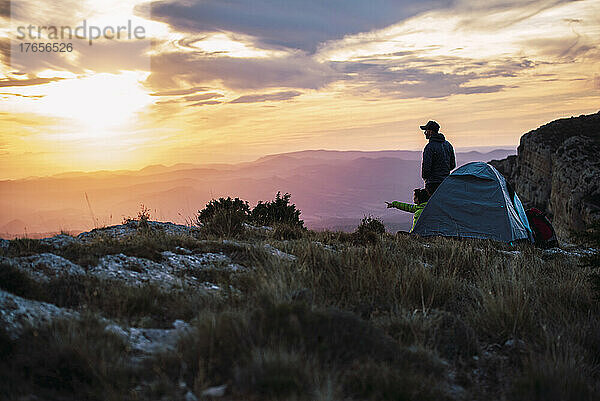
{"x": 436, "y": 329}
{"x": 277, "y": 211}
{"x": 224, "y": 217}
{"x": 276, "y": 373}
{"x": 284, "y": 349}
{"x": 372, "y": 224}
{"x": 226, "y": 223}
{"x": 16, "y": 281}
{"x": 26, "y": 247}
{"x": 142, "y": 219}
{"x": 553, "y": 378}
{"x": 380, "y": 381}
{"x": 67, "y": 360}
{"x": 285, "y": 231}
{"x": 212, "y": 208}
{"x": 368, "y": 231}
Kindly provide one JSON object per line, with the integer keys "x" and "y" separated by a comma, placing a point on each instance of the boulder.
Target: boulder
{"x": 557, "y": 170}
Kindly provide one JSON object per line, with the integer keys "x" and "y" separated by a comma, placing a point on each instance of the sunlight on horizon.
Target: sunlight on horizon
{"x": 97, "y": 102}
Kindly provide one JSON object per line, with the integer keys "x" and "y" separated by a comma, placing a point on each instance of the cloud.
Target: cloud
{"x": 113, "y": 56}
{"x": 5, "y": 8}
{"x": 19, "y": 95}
{"x": 203, "y": 96}
{"x": 178, "y": 92}
{"x": 292, "y": 24}
{"x": 405, "y": 76}
{"x": 295, "y": 71}
{"x": 419, "y": 78}
{"x": 26, "y": 82}
{"x": 194, "y": 98}
{"x": 207, "y": 103}
{"x": 267, "y": 97}
{"x": 561, "y": 48}
{"x": 5, "y": 50}
{"x": 501, "y": 14}
{"x": 67, "y": 12}
{"x": 102, "y": 56}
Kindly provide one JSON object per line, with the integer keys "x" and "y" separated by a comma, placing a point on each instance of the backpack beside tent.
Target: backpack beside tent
{"x": 543, "y": 232}
{"x": 474, "y": 202}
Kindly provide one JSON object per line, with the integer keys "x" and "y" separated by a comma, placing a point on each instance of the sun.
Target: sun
{"x": 96, "y": 103}
{"x": 92, "y": 121}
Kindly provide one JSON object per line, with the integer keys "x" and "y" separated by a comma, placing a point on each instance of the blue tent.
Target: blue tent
{"x": 473, "y": 202}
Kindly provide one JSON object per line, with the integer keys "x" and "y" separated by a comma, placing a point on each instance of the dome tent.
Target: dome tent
{"x": 474, "y": 202}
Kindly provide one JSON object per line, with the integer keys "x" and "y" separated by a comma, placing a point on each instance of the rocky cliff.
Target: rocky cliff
{"x": 557, "y": 169}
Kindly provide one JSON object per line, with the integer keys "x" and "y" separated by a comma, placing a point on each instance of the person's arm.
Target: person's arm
{"x": 426, "y": 166}
{"x": 407, "y": 207}
{"x": 452, "y": 157}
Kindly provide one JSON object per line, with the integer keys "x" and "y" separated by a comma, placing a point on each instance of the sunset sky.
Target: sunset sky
{"x": 232, "y": 80}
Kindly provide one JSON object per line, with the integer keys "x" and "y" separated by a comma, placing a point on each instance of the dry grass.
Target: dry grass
{"x": 66, "y": 360}
{"x": 392, "y": 317}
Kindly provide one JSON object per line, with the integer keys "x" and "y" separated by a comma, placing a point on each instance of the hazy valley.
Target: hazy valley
{"x": 334, "y": 189}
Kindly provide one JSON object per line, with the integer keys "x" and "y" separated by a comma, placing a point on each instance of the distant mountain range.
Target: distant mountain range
{"x": 333, "y": 189}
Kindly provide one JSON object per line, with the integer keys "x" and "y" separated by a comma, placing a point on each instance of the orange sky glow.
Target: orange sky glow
{"x": 212, "y": 83}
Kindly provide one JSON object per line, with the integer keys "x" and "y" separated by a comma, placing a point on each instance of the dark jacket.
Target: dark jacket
{"x": 438, "y": 159}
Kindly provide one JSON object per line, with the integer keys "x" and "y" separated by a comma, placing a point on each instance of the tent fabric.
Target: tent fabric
{"x": 472, "y": 202}
{"x": 522, "y": 216}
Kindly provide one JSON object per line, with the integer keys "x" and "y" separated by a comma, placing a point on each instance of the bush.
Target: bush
{"x": 276, "y": 373}
{"x": 226, "y": 223}
{"x": 284, "y": 231}
{"x": 233, "y": 206}
{"x": 66, "y": 360}
{"x": 553, "y": 378}
{"x": 371, "y": 224}
{"x": 14, "y": 280}
{"x": 277, "y": 211}
{"x": 224, "y": 217}
{"x": 142, "y": 218}
{"x": 380, "y": 381}
{"x": 280, "y": 350}
{"x": 439, "y": 330}
{"x": 368, "y": 231}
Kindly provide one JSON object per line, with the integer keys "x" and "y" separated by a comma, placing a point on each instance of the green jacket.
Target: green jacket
{"x": 412, "y": 208}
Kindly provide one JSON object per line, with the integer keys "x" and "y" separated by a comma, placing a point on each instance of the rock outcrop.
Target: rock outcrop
{"x": 557, "y": 170}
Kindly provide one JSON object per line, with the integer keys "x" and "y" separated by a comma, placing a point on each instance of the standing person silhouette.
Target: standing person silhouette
{"x": 438, "y": 157}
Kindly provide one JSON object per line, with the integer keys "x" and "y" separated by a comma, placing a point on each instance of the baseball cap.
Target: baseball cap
{"x": 431, "y": 125}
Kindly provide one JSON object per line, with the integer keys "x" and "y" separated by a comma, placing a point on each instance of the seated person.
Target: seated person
{"x": 420, "y": 198}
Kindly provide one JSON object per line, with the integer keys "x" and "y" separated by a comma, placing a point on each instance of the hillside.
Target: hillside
{"x": 557, "y": 169}
{"x": 333, "y": 189}
{"x": 162, "y": 311}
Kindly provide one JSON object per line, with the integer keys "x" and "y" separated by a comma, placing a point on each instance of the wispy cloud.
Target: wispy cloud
{"x": 296, "y": 71}
{"x": 19, "y": 95}
{"x": 178, "y": 92}
{"x": 203, "y": 96}
{"x": 267, "y": 97}
{"x": 207, "y": 103}
{"x": 8, "y": 82}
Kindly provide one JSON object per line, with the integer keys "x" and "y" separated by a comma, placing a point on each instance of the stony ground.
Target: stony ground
{"x": 166, "y": 311}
